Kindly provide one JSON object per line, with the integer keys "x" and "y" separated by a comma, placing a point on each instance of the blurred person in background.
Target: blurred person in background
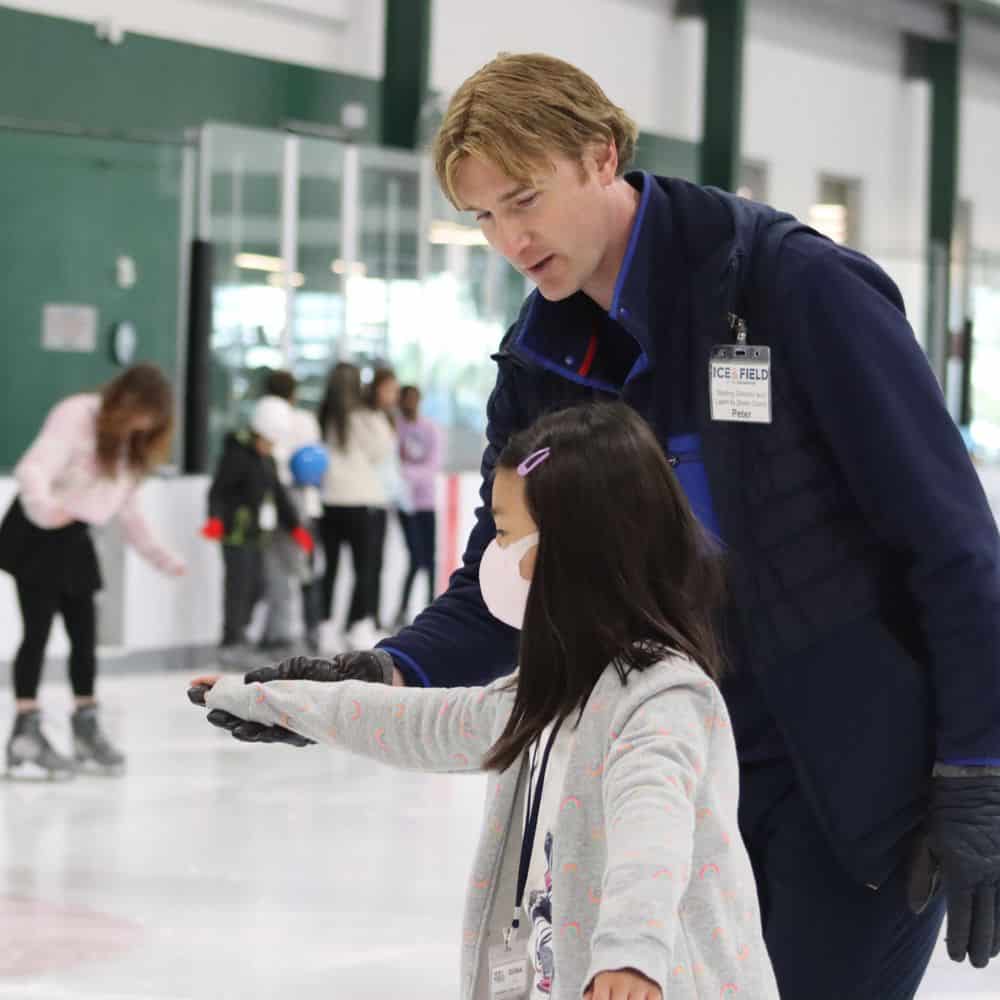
{"x": 86, "y": 466}
{"x": 358, "y": 440}
{"x": 285, "y": 564}
{"x": 382, "y": 396}
{"x": 249, "y": 512}
{"x": 420, "y": 463}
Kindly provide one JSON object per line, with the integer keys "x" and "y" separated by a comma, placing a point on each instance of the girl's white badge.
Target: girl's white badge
{"x": 510, "y": 971}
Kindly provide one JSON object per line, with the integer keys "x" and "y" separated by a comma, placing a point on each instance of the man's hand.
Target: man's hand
{"x": 625, "y": 984}
{"x": 373, "y": 665}
{"x": 965, "y": 840}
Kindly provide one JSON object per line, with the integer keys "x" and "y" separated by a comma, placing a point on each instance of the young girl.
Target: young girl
{"x": 420, "y": 461}
{"x": 84, "y": 468}
{"x": 610, "y": 862}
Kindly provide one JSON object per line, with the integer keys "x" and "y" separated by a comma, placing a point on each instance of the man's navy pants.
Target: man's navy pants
{"x": 828, "y": 937}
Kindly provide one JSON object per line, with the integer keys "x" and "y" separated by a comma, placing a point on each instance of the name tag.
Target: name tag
{"x": 739, "y": 380}
{"x": 510, "y": 971}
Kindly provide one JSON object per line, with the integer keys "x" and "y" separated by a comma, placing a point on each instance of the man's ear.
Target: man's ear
{"x": 605, "y": 157}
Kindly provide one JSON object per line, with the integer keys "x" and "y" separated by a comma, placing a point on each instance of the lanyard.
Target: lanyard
{"x": 528, "y": 839}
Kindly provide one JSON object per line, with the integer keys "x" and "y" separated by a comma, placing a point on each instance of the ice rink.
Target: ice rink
{"x": 217, "y": 870}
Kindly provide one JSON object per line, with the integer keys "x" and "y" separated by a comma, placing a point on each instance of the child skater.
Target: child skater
{"x": 86, "y": 467}
{"x": 610, "y": 863}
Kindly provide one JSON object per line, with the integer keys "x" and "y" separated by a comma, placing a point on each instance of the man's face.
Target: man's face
{"x": 555, "y": 231}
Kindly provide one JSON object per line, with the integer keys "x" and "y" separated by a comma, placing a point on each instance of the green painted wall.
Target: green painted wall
{"x": 660, "y": 154}
{"x": 54, "y": 70}
{"x": 68, "y": 208}
{"x": 70, "y": 205}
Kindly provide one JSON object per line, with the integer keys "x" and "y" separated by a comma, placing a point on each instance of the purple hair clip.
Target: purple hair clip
{"x": 535, "y": 459}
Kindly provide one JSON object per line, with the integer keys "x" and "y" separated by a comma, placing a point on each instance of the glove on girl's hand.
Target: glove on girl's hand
{"x": 373, "y": 665}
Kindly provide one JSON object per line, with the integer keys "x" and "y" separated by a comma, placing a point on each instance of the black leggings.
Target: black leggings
{"x": 378, "y": 525}
{"x": 353, "y": 526}
{"x": 38, "y": 607}
{"x": 420, "y": 531}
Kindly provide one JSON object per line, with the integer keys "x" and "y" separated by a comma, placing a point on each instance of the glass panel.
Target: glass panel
{"x": 319, "y": 309}
{"x": 385, "y": 272}
{"x": 470, "y": 296}
{"x": 244, "y": 172}
{"x": 837, "y": 212}
{"x": 383, "y": 269}
{"x": 753, "y": 180}
{"x": 984, "y": 281}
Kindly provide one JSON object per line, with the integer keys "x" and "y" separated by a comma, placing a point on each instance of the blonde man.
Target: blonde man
{"x": 802, "y": 419}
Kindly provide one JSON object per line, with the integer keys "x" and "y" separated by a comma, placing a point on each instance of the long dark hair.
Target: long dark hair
{"x": 624, "y": 572}
{"x": 142, "y": 390}
{"x": 341, "y": 398}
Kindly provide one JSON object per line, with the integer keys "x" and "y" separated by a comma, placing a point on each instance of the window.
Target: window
{"x": 836, "y": 213}
{"x": 753, "y": 180}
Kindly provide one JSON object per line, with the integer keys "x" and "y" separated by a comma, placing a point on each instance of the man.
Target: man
{"x": 780, "y": 375}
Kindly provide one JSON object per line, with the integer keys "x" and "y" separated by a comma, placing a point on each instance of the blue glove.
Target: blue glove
{"x": 964, "y": 838}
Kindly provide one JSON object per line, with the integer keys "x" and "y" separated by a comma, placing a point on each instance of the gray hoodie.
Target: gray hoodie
{"x": 648, "y": 872}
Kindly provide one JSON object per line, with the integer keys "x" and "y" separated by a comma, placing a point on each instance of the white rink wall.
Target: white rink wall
{"x": 140, "y": 609}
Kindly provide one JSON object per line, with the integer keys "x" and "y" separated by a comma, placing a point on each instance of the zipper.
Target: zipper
{"x": 687, "y": 457}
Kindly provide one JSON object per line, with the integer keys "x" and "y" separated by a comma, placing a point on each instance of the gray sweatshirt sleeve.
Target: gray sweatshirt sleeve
{"x": 657, "y": 751}
{"x": 424, "y": 729}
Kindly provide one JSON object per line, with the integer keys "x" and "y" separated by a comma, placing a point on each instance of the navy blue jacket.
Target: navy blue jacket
{"x": 862, "y": 552}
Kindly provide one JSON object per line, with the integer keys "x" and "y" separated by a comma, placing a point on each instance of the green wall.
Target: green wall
{"x": 68, "y": 208}
{"x": 54, "y": 70}
{"x": 660, "y": 154}
{"x": 70, "y": 205}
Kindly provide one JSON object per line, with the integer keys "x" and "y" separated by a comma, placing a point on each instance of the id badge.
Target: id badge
{"x": 739, "y": 381}
{"x": 267, "y": 520}
{"x": 510, "y": 971}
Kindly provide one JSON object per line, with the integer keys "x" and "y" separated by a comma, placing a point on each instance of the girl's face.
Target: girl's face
{"x": 387, "y": 394}
{"x": 409, "y": 404}
{"x": 142, "y": 423}
{"x": 512, "y": 517}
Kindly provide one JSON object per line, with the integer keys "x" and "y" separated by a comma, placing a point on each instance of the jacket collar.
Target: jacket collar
{"x": 558, "y": 335}
{"x": 682, "y": 233}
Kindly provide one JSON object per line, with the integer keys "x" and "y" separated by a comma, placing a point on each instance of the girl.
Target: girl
{"x": 85, "y": 467}
{"x": 383, "y": 398}
{"x": 358, "y": 439}
{"x": 420, "y": 458}
{"x": 610, "y": 863}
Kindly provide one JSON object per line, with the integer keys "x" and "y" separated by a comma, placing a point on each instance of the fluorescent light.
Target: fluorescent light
{"x": 355, "y": 267}
{"x": 455, "y": 234}
{"x": 294, "y": 280}
{"x": 258, "y": 262}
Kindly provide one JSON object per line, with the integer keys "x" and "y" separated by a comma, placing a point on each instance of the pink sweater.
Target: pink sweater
{"x": 420, "y": 458}
{"x": 59, "y": 480}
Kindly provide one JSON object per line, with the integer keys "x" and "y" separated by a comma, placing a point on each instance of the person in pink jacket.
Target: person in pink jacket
{"x": 85, "y": 467}
{"x": 420, "y": 463}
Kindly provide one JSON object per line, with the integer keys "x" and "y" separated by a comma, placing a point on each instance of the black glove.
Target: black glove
{"x": 373, "y": 665}
{"x": 964, "y": 838}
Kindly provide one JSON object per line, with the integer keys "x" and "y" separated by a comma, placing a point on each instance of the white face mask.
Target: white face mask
{"x": 503, "y": 588}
